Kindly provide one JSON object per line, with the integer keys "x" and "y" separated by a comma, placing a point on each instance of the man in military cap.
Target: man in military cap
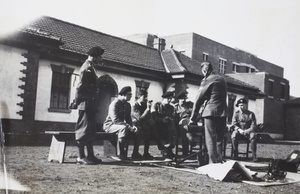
{"x": 181, "y": 112}
{"x": 86, "y": 102}
{"x": 141, "y": 117}
{"x": 243, "y": 126}
{"x": 163, "y": 114}
{"x": 119, "y": 121}
{"x": 211, "y": 96}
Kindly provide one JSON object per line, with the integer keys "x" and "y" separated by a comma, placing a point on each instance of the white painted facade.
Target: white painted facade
{"x": 10, "y": 72}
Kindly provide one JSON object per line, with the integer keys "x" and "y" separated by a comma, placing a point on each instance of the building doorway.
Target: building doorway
{"x": 108, "y": 91}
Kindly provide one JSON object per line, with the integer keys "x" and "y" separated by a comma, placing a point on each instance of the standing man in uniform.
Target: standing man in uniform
{"x": 243, "y": 126}
{"x": 86, "y": 101}
{"x": 119, "y": 121}
{"x": 212, "y": 95}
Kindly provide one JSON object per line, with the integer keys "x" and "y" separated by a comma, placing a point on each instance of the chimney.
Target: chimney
{"x": 159, "y": 43}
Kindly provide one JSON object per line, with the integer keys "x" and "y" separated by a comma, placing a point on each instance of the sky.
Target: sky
{"x": 268, "y": 29}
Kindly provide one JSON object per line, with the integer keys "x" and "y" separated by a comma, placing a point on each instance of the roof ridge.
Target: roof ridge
{"x": 177, "y": 60}
{"x": 244, "y": 83}
{"x": 90, "y": 29}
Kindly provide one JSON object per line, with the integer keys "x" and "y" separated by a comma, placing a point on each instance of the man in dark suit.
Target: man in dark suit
{"x": 212, "y": 96}
{"x": 86, "y": 101}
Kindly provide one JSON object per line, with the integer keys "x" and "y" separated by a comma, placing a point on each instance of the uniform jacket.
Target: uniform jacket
{"x": 212, "y": 94}
{"x": 140, "y": 113}
{"x": 86, "y": 91}
{"x": 119, "y": 112}
{"x": 244, "y": 120}
{"x": 163, "y": 112}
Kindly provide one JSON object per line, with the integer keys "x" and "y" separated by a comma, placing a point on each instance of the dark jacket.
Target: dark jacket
{"x": 212, "y": 94}
{"x": 140, "y": 113}
{"x": 86, "y": 91}
{"x": 244, "y": 120}
{"x": 163, "y": 113}
{"x": 119, "y": 112}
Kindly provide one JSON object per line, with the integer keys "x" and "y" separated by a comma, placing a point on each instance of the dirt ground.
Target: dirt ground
{"x": 29, "y": 166}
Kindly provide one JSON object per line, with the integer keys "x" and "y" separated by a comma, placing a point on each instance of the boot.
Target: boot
{"x": 235, "y": 149}
{"x": 121, "y": 149}
{"x": 91, "y": 156}
{"x": 253, "y": 149}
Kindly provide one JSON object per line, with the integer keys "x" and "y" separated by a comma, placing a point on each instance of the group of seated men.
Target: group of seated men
{"x": 160, "y": 122}
{"x": 145, "y": 121}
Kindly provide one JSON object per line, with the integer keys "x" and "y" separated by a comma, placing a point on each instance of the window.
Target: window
{"x": 205, "y": 56}
{"x": 60, "y": 88}
{"x": 271, "y": 88}
{"x": 248, "y": 69}
{"x": 282, "y": 91}
{"x": 141, "y": 85}
{"x": 222, "y": 65}
{"x": 234, "y": 67}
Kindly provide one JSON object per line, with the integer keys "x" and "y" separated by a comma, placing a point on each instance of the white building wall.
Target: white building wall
{"x": 44, "y": 94}
{"x": 192, "y": 92}
{"x": 10, "y": 72}
{"x": 44, "y": 91}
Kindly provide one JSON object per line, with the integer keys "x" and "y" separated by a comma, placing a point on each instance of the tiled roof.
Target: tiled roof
{"x": 177, "y": 62}
{"x": 238, "y": 82}
{"x": 80, "y": 39}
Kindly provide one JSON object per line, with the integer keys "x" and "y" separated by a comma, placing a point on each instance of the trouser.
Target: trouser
{"x": 84, "y": 132}
{"x": 184, "y": 140}
{"x": 214, "y": 135}
{"x": 235, "y": 136}
{"x": 89, "y": 147}
{"x": 167, "y": 132}
{"x": 123, "y": 131}
{"x": 146, "y": 131}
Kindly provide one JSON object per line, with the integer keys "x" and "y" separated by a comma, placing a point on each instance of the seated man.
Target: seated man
{"x": 163, "y": 114}
{"x": 141, "y": 118}
{"x": 119, "y": 121}
{"x": 243, "y": 126}
{"x": 183, "y": 111}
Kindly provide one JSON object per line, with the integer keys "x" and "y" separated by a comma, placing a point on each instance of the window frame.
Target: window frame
{"x": 271, "y": 88}
{"x": 61, "y": 84}
{"x": 222, "y": 65}
{"x": 282, "y": 90}
{"x": 140, "y": 85}
{"x": 234, "y": 67}
{"x": 205, "y": 56}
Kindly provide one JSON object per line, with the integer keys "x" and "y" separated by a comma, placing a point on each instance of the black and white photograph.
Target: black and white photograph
{"x": 149, "y": 96}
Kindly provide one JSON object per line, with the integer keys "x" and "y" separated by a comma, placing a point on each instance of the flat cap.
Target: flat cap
{"x": 95, "y": 51}
{"x": 125, "y": 90}
{"x": 168, "y": 94}
{"x": 241, "y": 101}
